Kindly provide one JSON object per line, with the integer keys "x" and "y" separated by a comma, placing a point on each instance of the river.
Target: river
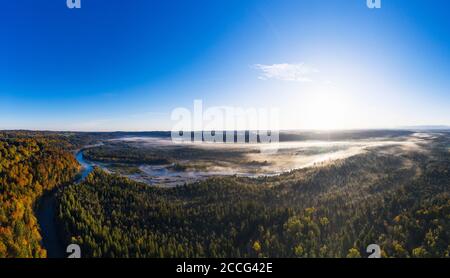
{"x": 46, "y": 214}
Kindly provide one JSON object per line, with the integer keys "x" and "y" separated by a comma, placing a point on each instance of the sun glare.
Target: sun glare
{"x": 327, "y": 111}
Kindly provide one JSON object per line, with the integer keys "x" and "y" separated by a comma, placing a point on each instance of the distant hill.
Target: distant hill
{"x": 426, "y": 127}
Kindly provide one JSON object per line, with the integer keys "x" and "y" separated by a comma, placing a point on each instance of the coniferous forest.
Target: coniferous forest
{"x": 399, "y": 200}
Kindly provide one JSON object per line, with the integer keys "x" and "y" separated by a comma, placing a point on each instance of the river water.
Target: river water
{"x": 87, "y": 167}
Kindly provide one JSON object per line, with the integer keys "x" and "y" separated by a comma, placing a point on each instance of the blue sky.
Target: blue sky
{"x": 125, "y": 65}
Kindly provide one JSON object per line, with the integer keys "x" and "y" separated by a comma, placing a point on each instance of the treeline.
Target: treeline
{"x": 399, "y": 201}
{"x": 123, "y": 153}
{"x": 30, "y": 163}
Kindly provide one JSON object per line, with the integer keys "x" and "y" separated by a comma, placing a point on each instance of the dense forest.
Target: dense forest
{"x": 30, "y": 164}
{"x": 121, "y": 153}
{"x": 395, "y": 198}
{"x": 389, "y": 196}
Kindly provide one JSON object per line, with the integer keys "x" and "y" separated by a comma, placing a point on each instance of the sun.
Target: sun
{"x": 327, "y": 111}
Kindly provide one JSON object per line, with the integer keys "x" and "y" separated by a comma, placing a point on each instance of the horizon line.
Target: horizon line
{"x": 405, "y": 128}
